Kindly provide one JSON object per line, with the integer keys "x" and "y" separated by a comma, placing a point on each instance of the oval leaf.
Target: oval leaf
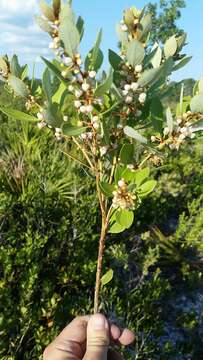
{"x": 147, "y": 188}
{"x": 135, "y": 53}
{"x": 196, "y": 104}
{"x": 125, "y": 218}
{"x": 129, "y": 131}
{"x": 18, "y": 115}
{"x": 71, "y": 130}
{"x": 18, "y": 86}
{"x": 106, "y": 278}
{"x": 170, "y": 47}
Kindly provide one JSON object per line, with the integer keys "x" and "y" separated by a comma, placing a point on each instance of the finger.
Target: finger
{"x": 127, "y": 337}
{"x": 68, "y": 345}
{"x": 98, "y": 338}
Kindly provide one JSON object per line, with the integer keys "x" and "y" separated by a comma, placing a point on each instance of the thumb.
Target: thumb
{"x": 97, "y": 338}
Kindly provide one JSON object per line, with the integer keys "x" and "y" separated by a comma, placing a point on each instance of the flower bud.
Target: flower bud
{"x": 89, "y": 108}
{"x": 138, "y": 68}
{"x": 134, "y": 86}
{"x": 65, "y": 118}
{"x": 68, "y": 61}
{"x": 121, "y": 183}
{"x": 85, "y": 86}
{"x": 124, "y": 27}
{"x": 40, "y": 116}
{"x": 103, "y": 150}
{"x": 166, "y": 131}
{"x": 83, "y": 109}
{"x": 127, "y": 87}
{"x": 153, "y": 138}
{"x": 128, "y": 99}
{"x": 92, "y": 74}
{"x": 77, "y": 104}
{"x": 142, "y": 98}
{"x": 78, "y": 93}
{"x": 70, "y": 88}
{"x": 41, "y": 125}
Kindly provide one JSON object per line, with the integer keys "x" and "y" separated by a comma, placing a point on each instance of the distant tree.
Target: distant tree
{"x": 165, "y": 14}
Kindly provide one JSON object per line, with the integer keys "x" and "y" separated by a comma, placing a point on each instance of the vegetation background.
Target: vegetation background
{"x": 49, "y": 237}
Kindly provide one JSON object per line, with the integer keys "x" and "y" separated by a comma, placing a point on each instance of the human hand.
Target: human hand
{"x": 88, "y": 338}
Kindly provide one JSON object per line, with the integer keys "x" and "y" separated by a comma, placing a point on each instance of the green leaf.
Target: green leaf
{"x": 147, "y": 188}
{"x": 182, "y": 63}
{"x": 54, "y": 69}
{"x": 114, "y": 59}
{"x": 148, "y": 77}
{"x": 15, "y": 67}
{"x": 125, "y": 218}
{"x": 106, "y": 188}
{"x": 71, "y": 130}
{"x": 169, "y": 119}
{"x": 116, "y": 228}
{"x": 46, "y": 84}
{"x": 43, "y": 24}
{"x": 70, "y": 36}
{"x": 122, "y": 35}
{"x": 135, "y": 53}
{"x": 141, "y": 175}
{"x": 200, "y": 85}
{"x": 80, "y": 26}
{"x": 127, "y": 153}
{"x": 18, "y": 115}
{"x": 170, "y": 47}
{"x": 105, "y": 87}
{"x": 47, "y": 11}
{"x": 196, "y": 104}
{"x": 18, "y": 86}
{"x": 156, "y": 111}
{"x": 156, "y": 60}
{"x": 106, "y": 278}
{"x": 95, "y": 57}
{"x": 118, "y": 173}
{"x": 197, "y": 126}
{"x": 3, "y": 65}
{"x": 59, "y": 93}
{"x": 146, "y": 24}
{"x": 129, "y": 131}
{"x": 53, "y": 115}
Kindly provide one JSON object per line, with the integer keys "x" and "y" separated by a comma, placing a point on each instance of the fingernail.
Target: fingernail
{"x": 98, "y": 322}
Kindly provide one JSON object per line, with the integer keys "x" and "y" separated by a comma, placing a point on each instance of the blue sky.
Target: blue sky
{"x": 19, "y": 33}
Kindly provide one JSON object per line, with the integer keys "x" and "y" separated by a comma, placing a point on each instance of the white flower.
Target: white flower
{"x": 77, "y": 104}
{"x": 70, "y": 88}
{"x": 179, "y": 121}
{"x": 65, "y": 118}
{"x": 68, "y": 61}
{"x": 83, "y": 136}
{"x": 138, "y": 68}
{"x": 142, "y": 98}
{"x": 41, "y": 125}
{"x": 78, "y": 93}
{"x": 92, "y": 74}
{"x": 95, "y": 119}
{"x": 89, "y": 135}
{"x": 40, "y": 116}
{"x": 124, "y": 27}
{"x": 125, "y": 92}
{"x": 127, "y": 87}
{"x": 96, "y": 125}
{"x": 58, "y": 130}
{"x": 131, "y": 167}
{"x": 121, "y": 183}
{"x": 119, "y": 126}
{"x": 134, "y": 86}
{"x": 153, "y": 138}
{"x": 89, "y": 108}
{"x": 83, "y": 109}
{"x": 166, "y": 131}
{"x": 85, "y": 86}
{"x": 103, "y": 150}
{"x": 128, "y": 99}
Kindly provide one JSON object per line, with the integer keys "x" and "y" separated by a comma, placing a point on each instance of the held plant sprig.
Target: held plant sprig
{"x": 115, "y": 120}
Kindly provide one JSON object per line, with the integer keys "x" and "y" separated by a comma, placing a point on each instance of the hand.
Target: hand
{"x": 88, "y": 338}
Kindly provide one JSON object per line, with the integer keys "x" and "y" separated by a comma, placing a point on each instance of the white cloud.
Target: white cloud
{"x": 18, "y": 31}
{"x": 9, "y": 8}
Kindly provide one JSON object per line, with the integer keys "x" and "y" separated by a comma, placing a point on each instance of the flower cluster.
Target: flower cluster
{"x": 123, "y": 199}
{"x": 182, "y": 129}
{"x": 130, "y": 22}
